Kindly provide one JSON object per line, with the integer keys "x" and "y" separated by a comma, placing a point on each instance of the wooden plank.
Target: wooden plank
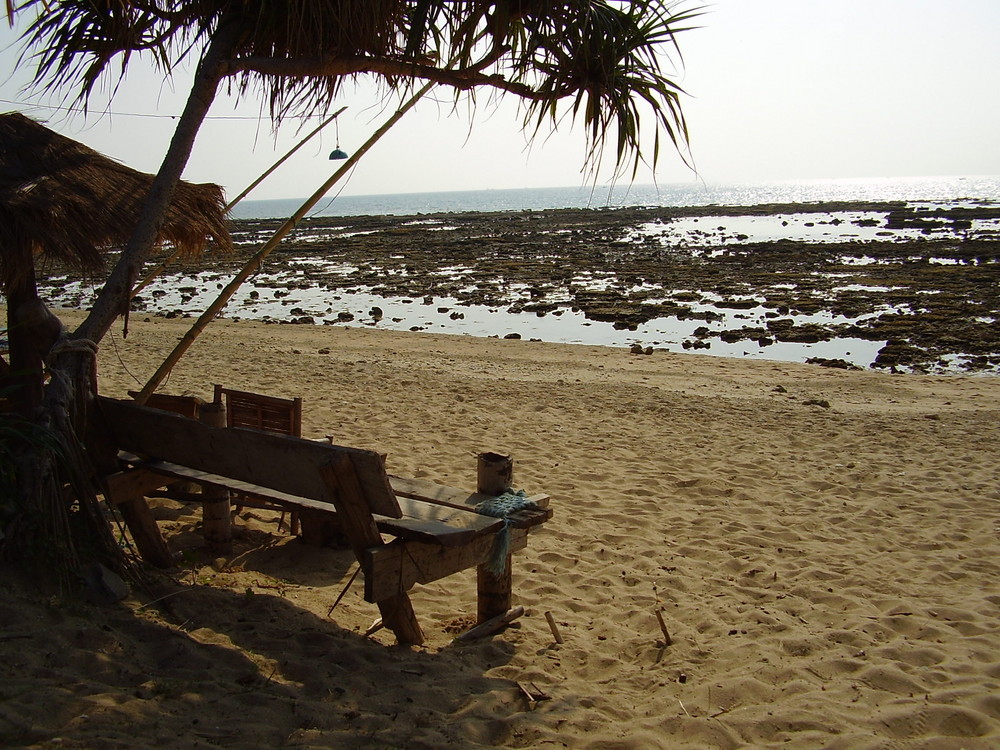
{"x": 495, "y": 593}
{"x": 146, "y": 534}
{"x": 424, "y": 521}
{"x": 395, "y": 567}
{"x": 491, "y": 626}
{"x": 125, "y": 485}
{"x": 277, "y": 462}
{"x": 188, "y": 406}
{"x": 361, "y": 532}
{"x": 416, "y": 513}
{"x": 421, "y": 489}
{"x": 524, "y": 519}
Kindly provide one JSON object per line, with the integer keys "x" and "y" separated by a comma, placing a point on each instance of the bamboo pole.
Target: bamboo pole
{"x": 284, "y": 158}
{"x": 267, "y": 173}
{"x": 254, "y": 264}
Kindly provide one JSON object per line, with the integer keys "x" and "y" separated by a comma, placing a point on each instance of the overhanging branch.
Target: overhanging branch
{"x": 303, "y": 67}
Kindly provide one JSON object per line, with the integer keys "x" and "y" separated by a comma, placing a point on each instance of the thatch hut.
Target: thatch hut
{"x": 63, "y": 200}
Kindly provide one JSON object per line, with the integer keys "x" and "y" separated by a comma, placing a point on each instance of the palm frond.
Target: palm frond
{"x": 607, "y": 60}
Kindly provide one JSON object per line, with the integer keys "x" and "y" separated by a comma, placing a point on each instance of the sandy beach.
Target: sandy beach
{"x": 824, "y": 546}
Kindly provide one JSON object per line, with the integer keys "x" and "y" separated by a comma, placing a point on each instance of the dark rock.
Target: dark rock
{"x": 840, "y": 364}
{"x": 103, "y": 585}
{"x": 820, "y": 402}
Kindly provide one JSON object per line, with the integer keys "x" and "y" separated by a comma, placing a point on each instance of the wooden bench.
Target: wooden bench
{"x": 256, "y": 411}
{"x": 437, "y": 530}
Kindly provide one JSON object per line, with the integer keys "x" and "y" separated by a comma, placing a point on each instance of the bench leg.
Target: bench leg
{"x": 362, "y": 533}
{"x": 494, "y": 476}
{"x": 126, "y": 490}
{"x": 148, "y": 540}
{"x": 495, "y": 591}
{"x": 217, "y": 521}
{"x": 398, "y": 615}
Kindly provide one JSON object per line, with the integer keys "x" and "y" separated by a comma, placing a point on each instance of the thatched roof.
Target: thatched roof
{"x": 67, "y": 201}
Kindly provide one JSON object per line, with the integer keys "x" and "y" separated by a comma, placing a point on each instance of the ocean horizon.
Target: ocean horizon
{"x": 974, "y": 188}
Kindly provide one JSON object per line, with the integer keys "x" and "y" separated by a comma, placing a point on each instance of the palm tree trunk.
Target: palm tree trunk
{"x": 72, "y": 363}
{"x": 115, "y": 296}
{"x": 73, "y": 385}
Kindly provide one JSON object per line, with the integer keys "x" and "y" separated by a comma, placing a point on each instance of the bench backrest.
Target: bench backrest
{"x": 259, "y": 412}
{"x": 278, "y": 462}
{"x": 188, "y": 406}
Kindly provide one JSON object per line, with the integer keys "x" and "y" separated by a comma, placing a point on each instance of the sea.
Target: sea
{"x": 953, "y": 190}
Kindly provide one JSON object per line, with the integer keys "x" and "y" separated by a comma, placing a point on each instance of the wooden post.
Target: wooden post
{"x": 494, "y": 473}
{"x": 494, "y": 476}
{"x": 148, "y": 540}
{"x": 127, "y": 490}
{"x": 495, "y": 591}
{"x": 217, "y": 520}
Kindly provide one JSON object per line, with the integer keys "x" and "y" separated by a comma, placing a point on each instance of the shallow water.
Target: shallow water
{"x": 316, "y": 287}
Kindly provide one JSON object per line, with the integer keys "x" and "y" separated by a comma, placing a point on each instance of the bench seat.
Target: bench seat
{"x": 425, "y": 521}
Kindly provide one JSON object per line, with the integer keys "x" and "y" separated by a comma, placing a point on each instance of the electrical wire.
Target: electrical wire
{"x": 82, "y": 111}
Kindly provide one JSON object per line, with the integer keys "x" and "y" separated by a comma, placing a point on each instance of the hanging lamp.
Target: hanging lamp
{"x": 337, "y": 153}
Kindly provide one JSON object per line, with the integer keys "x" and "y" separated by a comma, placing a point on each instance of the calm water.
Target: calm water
{"x": 912, "y": 189}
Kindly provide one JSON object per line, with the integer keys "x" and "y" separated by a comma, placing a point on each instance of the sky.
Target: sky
{"x": 775, "y": 90}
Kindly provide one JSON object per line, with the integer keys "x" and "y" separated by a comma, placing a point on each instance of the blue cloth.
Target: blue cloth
{"x": 503, "y": 506}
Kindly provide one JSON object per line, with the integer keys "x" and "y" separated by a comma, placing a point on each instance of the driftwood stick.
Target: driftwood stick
{"x": 490, "y": 626}
{"x": 552, "y": 626}
{"x": 344, "y": 592}
{"x": 663, "y": 626}
{"x": 526, "y": 693}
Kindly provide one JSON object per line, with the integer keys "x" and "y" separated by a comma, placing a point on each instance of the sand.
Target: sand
{"x": 823, "y": 545}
